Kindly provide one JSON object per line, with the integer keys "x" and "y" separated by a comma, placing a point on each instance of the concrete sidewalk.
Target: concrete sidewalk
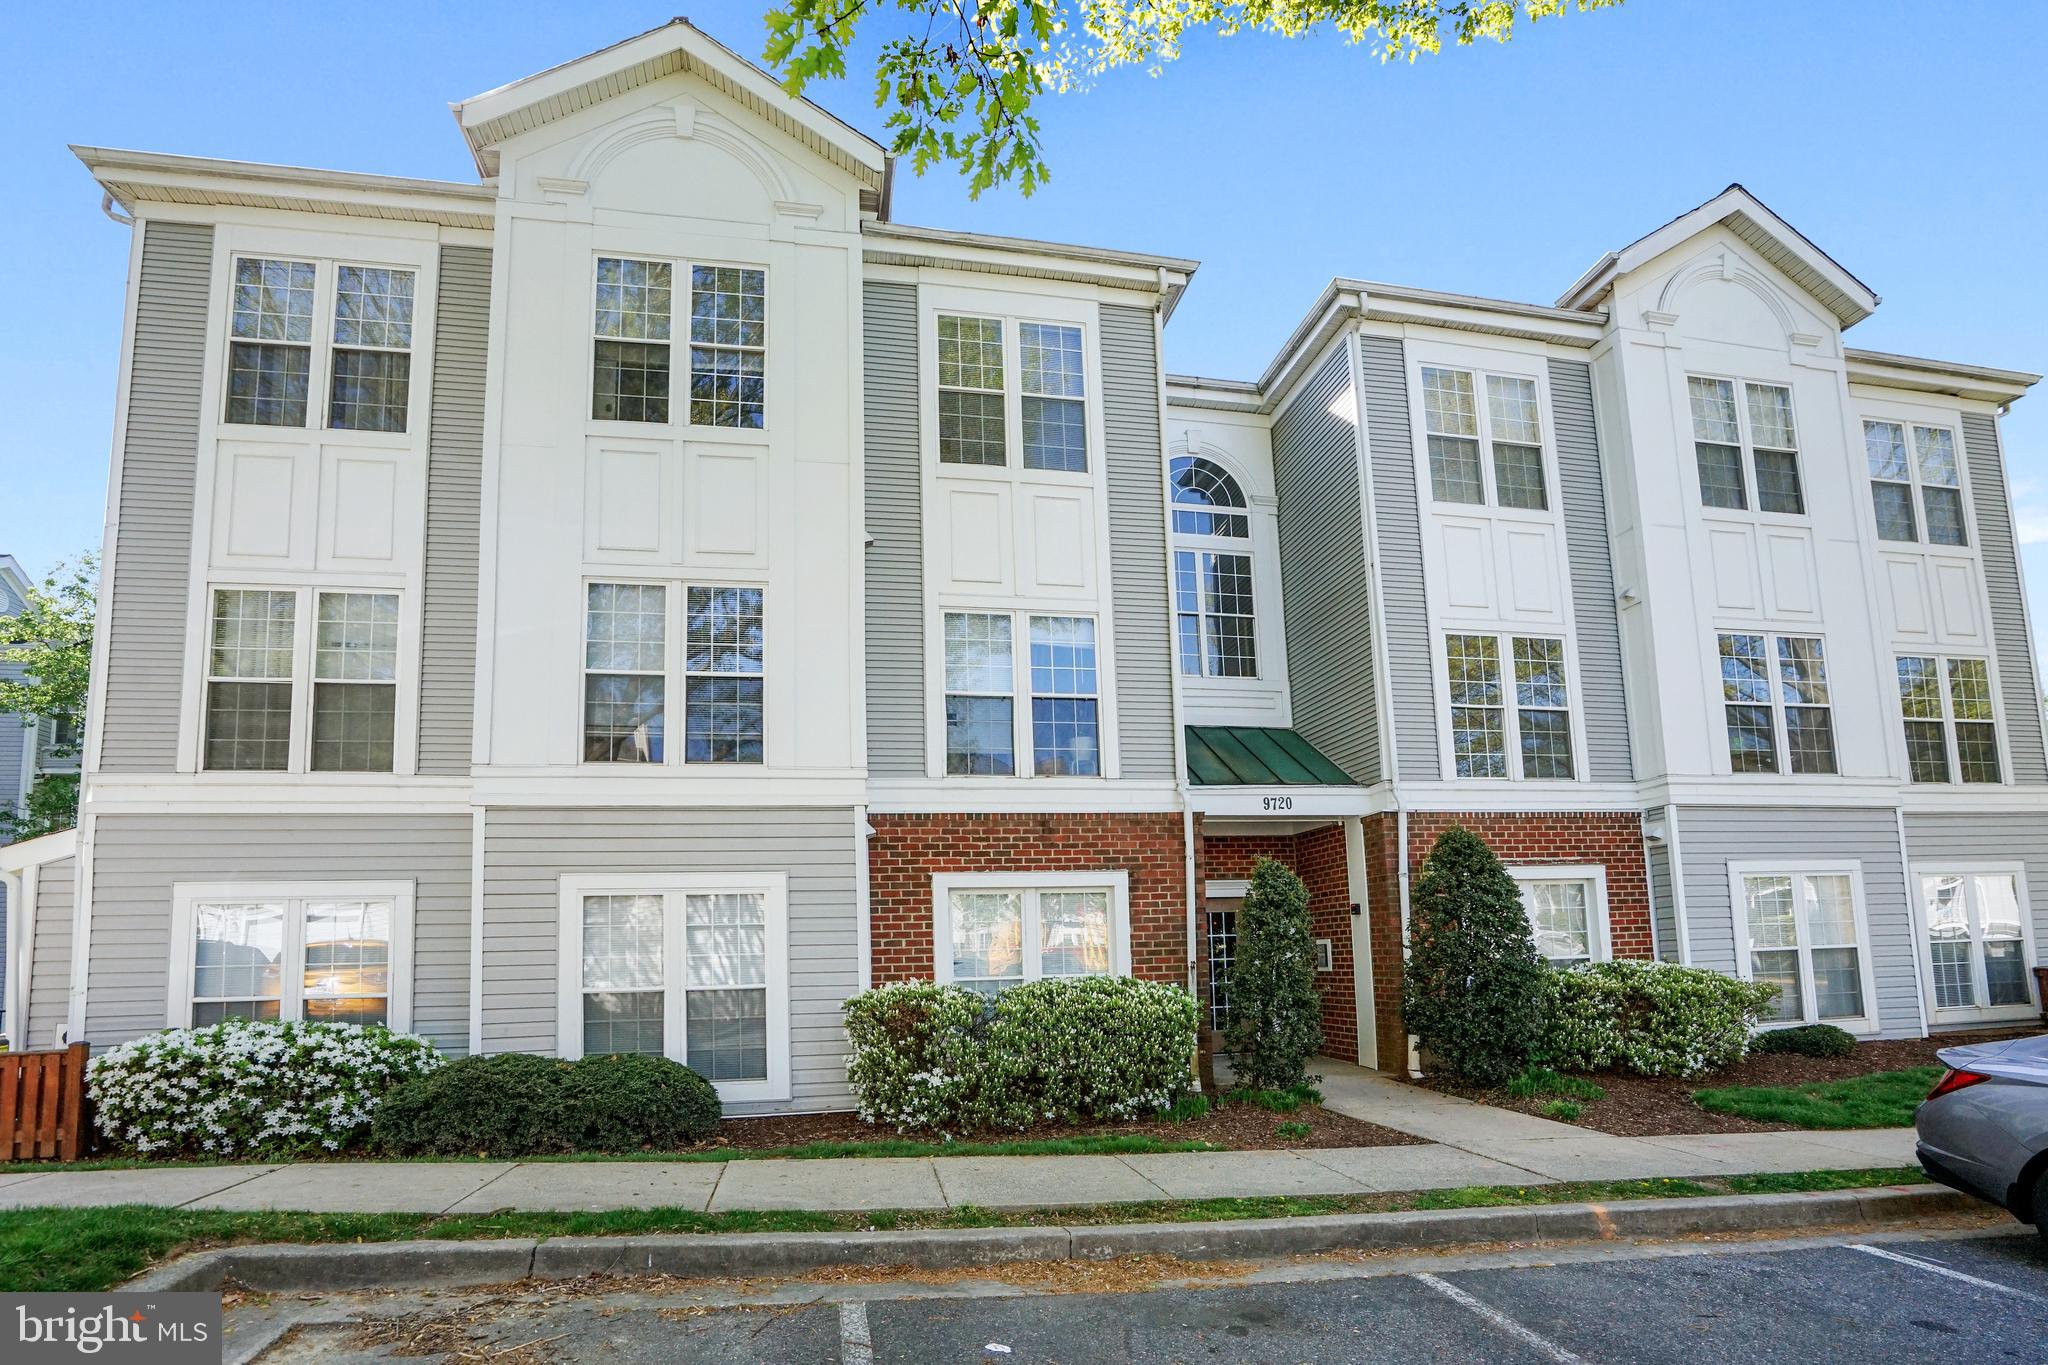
{"x": 1467, "y": 1144}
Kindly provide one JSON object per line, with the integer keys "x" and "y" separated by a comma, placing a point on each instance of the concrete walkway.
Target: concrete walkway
{"x": 1467, "y": 1144}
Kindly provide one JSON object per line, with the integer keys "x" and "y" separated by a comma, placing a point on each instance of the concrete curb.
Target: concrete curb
{"x": 364, "y": 1265}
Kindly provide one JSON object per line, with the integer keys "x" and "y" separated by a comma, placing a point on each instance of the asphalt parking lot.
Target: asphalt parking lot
{"x": 1951, "y": 1300}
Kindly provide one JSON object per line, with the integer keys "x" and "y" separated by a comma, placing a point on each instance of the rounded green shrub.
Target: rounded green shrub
{"x": 1276, "y": 1016}
{"x": 1652, "y": 1018}
{"x": 1473, "y": 987}
{"x": 943, "y": 1059}
{"x": 247, "y": 1088}
{"x": 519, "y": 1104}
{"x": 621, "y": 1102}
{"x": 1808, "y": 1040}
{"x": 504, "y": 1104}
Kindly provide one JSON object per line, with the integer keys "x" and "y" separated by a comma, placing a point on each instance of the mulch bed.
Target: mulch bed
{"x": 1237, "y": 1127}
{"x": 1657, "y": 1106}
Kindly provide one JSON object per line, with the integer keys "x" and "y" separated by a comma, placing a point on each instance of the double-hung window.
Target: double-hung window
{"x": 994, "y": 930}
{"x": 261, "y": 685}
{"x": 1532, "y": 738}
{"x": 1904, "y": 456}
{"x": 329, "y": 953}
{"x": 1978, "y": 941}
{"x": 1214, "y": 620}
{"x": 285, "y": 311}
{"x": 1802, "y": 931}
{"x": 1058, "y": 672}
{"x": 1948, "y": 711}
{"x": 1775, "y": 700}
{"x": 1733, "y": 440}
{"x": 1048, "y": 429}
{"x": 1567, "y": 909}
{"x": 692, "y": 967}
{"x": 627, "y": 667}
{"x": 1461, "y": 433}
{"x": 634, "y": 339}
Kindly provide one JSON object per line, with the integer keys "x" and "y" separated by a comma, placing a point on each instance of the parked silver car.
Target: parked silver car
{"x": 1984, "y": 1126}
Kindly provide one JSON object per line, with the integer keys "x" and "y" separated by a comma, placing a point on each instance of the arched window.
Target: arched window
{"x": 1201, "y": 485}
{"x": 1212, "y": 573}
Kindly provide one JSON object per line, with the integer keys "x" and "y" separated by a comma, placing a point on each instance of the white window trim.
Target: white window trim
{"x": 320, "y": 350}
{"x": 1199, "y": 545}
{"x": 1950, "y": 423}
{"x": 679, "y": 347}
{"x": 1780, "y": 739}
{"x": 1923, "y": 939}
{"x": 1504, "y": 643}
{"x": 1004, "y": 311}
{"x": 1021, "y": 694}
{"x": 1117, "y": 883}
{"x": 772, "y": 887}
{"x": 1948, "y": 718}
{"x": 674, "y": 673}
{"x": 185, "y": 896}
{"x": 1599, "y": 945}
{"x": 1746, "y": 451}
{"x": 1739, "y": 918}
{"x": 305, "y": 634}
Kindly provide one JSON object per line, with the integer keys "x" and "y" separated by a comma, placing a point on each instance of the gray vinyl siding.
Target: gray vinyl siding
{"x": 1134, "y": 463}
{"x": 528, "y": 851}
{"x": 138, "y": 858}
{"x": 1603, "y": 703}
{"x": 1975, "y": 837}
{"x": 895, "y": 523}
{"x": 152, "y": 551}
{"x": 1324, "y": 583}
{"x": 1711, "y": 837}
{"x": 49, "y": 968}
{"x": 1991, "y": 508}
{"x": 14, "y": 737}
{"x": 455, "y": 458}
{"x": 1397, "y": 512}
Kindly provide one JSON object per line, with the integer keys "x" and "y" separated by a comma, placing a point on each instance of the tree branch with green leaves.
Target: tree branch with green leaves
{"x": 958, "y": 79}
{"x": 49, "y": 644}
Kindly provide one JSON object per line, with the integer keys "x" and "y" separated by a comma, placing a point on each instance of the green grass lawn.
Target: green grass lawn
{"x": 1883, "y": 1099}
{"x": 88, "y": 1250}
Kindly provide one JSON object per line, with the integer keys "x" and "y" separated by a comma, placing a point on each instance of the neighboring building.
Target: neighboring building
{"x": 486, "y": 655}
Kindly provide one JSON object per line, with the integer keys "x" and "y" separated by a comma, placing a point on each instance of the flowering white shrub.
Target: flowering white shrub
{"x": 931, "y": 1058}
{"x": 249, "y": 1089}
{"x": 1652, "y": 1018}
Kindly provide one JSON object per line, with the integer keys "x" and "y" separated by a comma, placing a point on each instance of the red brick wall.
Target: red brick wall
{"x": 1317, "y": 857}
{"x": 1612, "y": 839}
{"x": 907, "y": 850}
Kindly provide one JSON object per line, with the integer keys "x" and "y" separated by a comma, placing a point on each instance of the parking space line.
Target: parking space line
{"x": 1501, "y": 1320}
{"x": 856, "y": 1343}
{"x": 1939, "y": 1269}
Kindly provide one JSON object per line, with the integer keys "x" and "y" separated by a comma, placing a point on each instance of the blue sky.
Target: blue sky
{"x": 1903, "y": 138}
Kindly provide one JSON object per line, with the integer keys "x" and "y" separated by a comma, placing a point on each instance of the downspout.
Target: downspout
{"x": 1914, "y": 910}
{"x": 107, "y": 207}
{"x": 16, "y": 1014}
{"x": 863, "y": 930}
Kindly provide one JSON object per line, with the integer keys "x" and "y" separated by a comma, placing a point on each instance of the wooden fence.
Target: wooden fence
{"x": 42, "y": 1104}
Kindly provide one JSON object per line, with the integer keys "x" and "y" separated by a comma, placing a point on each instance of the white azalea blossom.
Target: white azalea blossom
{"x": 250, "y": 1089}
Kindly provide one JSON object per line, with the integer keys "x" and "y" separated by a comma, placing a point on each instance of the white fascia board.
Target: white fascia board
{"x": 1163, "y": 278}
{"x": 1860, "y": 300}
{"x": 1915, "y": 374}
{"x": 29, "y": 853}
{"x": 134, "y": 178}
{"x": 1283, "y": 801}
{"x": 699, "y": 47}
{"x": 1222, "y": 395}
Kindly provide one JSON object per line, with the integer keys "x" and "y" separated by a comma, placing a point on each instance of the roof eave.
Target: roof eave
{"x": 134, "y": 178}
{"x": 1917, "y": 374}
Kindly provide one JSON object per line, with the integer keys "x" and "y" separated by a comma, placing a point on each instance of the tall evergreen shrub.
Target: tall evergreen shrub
{"x": 1473, "y": 987}
{"x": 1276, "y": 1015}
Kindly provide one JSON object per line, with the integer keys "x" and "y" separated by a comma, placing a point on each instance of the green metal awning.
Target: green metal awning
{"x": 1257, "y": 756}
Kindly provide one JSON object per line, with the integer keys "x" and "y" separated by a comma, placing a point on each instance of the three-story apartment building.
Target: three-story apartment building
{"x": 636, "y": 600}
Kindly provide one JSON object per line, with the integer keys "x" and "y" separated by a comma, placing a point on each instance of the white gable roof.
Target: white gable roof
{"x": 1776, "y": 240}
{"x": 492, "y": 117}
